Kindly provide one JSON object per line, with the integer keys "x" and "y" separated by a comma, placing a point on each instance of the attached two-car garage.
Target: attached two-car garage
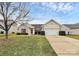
{"x": 51, "y": 31}
{"x": 52, "y": 28}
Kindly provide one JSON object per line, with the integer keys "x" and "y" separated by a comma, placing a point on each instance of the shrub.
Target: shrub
{"x": 22, "y": 33}
{"x": 18, "y": 33}
{"x": 35, "y": 32}
{"x": 63, "y": 33}
{"x": 40, "y": 32}
{"x": 2, "y": 32}
{"x": 13, "y": 32}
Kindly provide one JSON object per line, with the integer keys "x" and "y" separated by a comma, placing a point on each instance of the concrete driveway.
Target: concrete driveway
{"x": 64, "y": 46}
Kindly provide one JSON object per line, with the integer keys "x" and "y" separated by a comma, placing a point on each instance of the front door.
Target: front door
{"x": 23, "y": 30}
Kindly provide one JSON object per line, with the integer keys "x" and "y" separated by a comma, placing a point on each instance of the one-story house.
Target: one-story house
{"x": 50, "y": 28}
{"x": 19, "y": 28}
{"x": 74, "y": 28}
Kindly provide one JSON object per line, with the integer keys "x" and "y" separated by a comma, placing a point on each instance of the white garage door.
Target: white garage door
{"x": 50, "y": 31}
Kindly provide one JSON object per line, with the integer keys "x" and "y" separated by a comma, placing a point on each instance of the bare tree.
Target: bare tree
{"x": 12, "y": 11}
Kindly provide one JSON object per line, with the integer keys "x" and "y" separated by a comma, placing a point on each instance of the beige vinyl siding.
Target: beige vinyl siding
{"x": 74, "y": 31}
{"x": 64, "y": 28}
{"x": 51, "y": 25}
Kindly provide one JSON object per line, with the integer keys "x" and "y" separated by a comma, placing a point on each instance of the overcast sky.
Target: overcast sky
{"x": 63, "y": 12}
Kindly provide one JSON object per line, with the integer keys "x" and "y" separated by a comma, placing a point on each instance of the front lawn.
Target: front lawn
{"x": 22, "y": 45}
{"x": 73, "y": 36}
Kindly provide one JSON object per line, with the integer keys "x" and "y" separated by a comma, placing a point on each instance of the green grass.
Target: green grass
{"x": 23, "y": 45}
{"x": 73, "y": 36}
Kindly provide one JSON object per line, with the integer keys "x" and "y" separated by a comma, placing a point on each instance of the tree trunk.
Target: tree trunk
{"x": 6, "y": 34}
{"x": 6, "y": 30}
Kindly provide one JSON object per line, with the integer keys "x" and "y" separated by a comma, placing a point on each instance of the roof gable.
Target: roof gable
{"x": 27, "y": 25}
{"x": 53, "y": 21}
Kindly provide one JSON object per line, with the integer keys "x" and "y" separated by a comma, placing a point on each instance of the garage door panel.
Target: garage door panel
{"x": 50, "y": 31}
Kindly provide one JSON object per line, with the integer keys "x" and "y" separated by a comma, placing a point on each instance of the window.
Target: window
{"x": 23, "y": 30}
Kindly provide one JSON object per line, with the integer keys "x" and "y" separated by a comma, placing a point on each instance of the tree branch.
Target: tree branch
{"x": 2, "y": 27}
{"x": 12, "y": 12}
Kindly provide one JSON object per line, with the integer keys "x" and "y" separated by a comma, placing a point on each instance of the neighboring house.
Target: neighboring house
{"x": 12, "y": 29}
{"x": 26, "y": 28}
{"x": 51, "y": 28}
{"x": 19, "y": 28}
{"x": 74, "y": 28}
